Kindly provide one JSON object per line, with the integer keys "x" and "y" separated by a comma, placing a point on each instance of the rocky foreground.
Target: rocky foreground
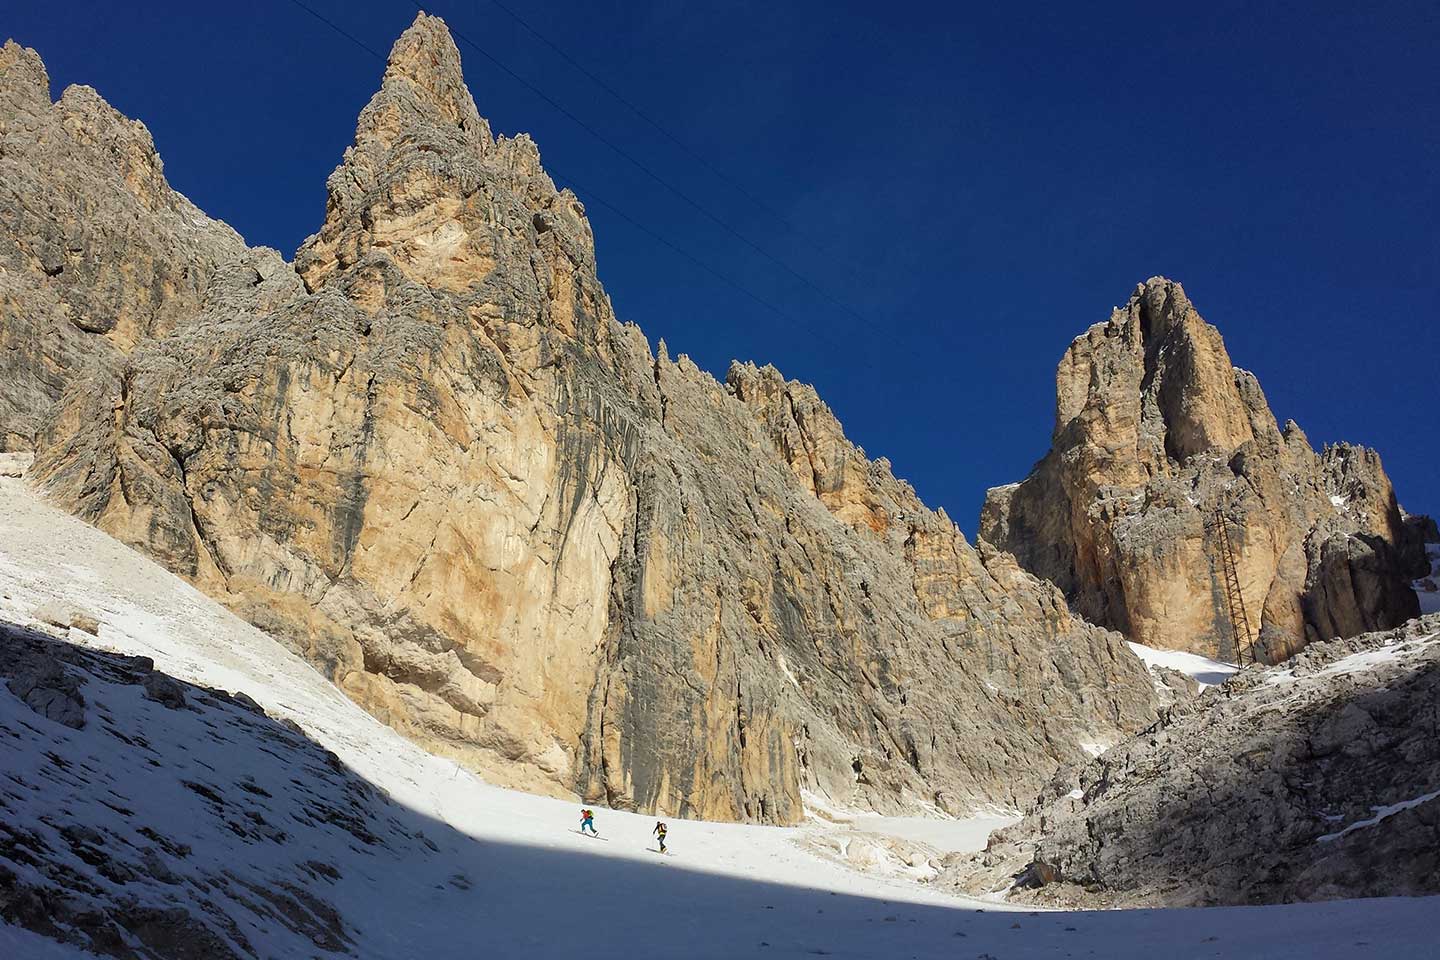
{"x": 1315, "y": 780}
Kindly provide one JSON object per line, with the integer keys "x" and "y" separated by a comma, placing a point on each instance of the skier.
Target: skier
{"x": 587, "y": 819}
{"x": 659, "y": 833}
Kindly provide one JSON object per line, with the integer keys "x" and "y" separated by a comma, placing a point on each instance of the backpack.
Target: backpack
{"x": 586, "y": 815}
{"x": 661, "y": 828}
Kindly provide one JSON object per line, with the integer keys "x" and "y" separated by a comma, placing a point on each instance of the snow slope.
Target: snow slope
{"x": 1203, "y": 670}
{"x": 459, "y": 868}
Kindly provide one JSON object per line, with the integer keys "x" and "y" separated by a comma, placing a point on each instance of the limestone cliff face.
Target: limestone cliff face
{"x": 1157, "y": 435}
{"x": 431, "y": 458}
{"x": 98, "y": 254}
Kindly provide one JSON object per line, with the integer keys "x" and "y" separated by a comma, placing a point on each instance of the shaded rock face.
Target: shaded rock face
{"x": 432, "y": 460}
{"x": 1159, "y": 441}
{"x": 122, "y": 819}
{"x": 98, "y": 253}
{"x": 1317, "y": 780}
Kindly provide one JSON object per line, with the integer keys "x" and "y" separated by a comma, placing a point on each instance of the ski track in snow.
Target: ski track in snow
{"x": 531, "y": 888}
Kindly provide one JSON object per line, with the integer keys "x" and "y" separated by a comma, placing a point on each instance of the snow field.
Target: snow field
{"x": 529, "y": 886}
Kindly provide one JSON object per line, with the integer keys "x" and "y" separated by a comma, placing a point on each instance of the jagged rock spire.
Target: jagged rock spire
{"x": 1157, "y": 437}
{"x": 418, "y": 153}
{"x": 423, "y": 85}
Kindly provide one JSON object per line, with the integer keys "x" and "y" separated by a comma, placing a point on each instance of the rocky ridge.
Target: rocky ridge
{"x": 100, "y": 253}
{"x": 1315, "y": 780}
{"x": 430, "y": 458}
{"x": 1159, "y": 441}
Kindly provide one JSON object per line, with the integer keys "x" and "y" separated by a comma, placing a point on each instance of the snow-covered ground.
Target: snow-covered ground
{"x": 947, "y": 836}
{"x": 1407, "y": 648}
{"x": 1203, "y": 670}
{"x": 462, "y": 869}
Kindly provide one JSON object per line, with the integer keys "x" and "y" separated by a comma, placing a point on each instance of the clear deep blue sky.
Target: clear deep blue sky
{"x": 978, "y": 185}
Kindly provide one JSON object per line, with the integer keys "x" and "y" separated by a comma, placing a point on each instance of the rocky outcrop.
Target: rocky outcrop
{"x": 98, "y": 253}
{"x": 432, "y": 460}
{"x": 177, "y": 822}
{"x": 1160, "y": 442}
{"x": 1313, "y": 781}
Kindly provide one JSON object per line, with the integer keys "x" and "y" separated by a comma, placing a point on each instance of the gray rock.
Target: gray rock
{"x": 165, "y": 691}
{"x": 82, "y": 191}
{"x": 1314, "y": 780}
{"x": 1159, "y": 444}
{"x": 41, "y": 681}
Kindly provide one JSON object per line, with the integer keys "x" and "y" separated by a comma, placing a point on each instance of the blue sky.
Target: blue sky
{"x": 973, "y": 186}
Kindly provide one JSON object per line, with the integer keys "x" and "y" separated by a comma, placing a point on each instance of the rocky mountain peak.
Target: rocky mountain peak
{"x": 424, "y": 84}
{"x": 1159, "y": 377}
{"x": 23, "y": 78}
{"x": 444, "y": 473}
{"x": 428, "y": 192}
{"x": 1159, "y": 441}
{"x": 99, "y": 252}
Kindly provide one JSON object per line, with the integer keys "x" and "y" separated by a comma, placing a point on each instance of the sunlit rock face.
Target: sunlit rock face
{"x": 98, "y": 252}
{"x": 429, "y": 457}
{"x": 1158, "y": 440}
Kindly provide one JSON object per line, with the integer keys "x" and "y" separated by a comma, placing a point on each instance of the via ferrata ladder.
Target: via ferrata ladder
{"x": 1234, "y": 598}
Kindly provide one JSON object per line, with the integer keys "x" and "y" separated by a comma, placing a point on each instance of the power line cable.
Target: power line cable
{"x": 340, "y": 30}
{"x": 654, "y": 124}
{"x": 645, "y": 169}
{"x": 590, "y": 195}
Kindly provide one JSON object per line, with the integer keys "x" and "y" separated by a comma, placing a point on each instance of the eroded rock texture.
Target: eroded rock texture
{"x": 1317, "y": 781}
{"x": 1159, "y": 440}
{"x": 98, "y": 252}
{"x": 431, "y": 459}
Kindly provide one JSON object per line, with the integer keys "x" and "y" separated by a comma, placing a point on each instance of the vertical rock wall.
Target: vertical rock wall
{"x": 1158, "y": 439}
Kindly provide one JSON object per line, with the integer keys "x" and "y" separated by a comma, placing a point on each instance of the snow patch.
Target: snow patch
{"x": 1203, "y": 670}
{"x": 785, "y": 668}
{"x": 963, "y": 835}
{"x": 1381, "y": 656}
{"x": 1392, "y": 652}
{"x": 1381, "y": 813}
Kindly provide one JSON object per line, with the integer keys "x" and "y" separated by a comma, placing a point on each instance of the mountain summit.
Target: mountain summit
{"x": 430, "y": 458}
{"x": 1167, "y": 466}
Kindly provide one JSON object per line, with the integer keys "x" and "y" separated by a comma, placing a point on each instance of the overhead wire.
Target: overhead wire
{"x": 590, "y": 195}
{"x": 654, "y": 124}
{"x": 649, "y": 172}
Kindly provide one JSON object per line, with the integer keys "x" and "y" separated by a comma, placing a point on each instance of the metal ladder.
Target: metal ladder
{"x": 1234, "y": 598}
